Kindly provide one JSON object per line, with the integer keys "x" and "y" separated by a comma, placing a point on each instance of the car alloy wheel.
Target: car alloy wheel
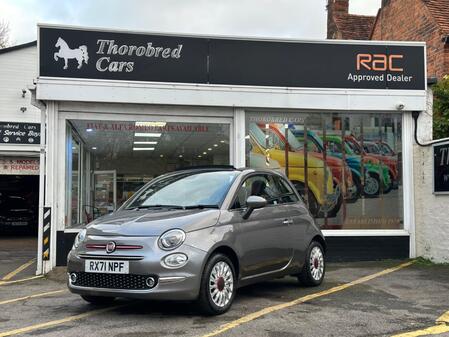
{"x": 312, "y": 273}
{"x": 221, "y": 284}
{"x": 372, "y": 186}
{"x": 218, "y": 285}
{"x": 316, "y": 263}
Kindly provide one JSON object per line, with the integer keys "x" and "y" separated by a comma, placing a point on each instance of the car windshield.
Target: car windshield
{"x": 355, "y": 147}
{"x": 13, "y": 202}
{"x": 371, "y": 148}
{"x": 186, "y": 190}
{"x": 386, "y": 149}
{"x": 293, "y": 142}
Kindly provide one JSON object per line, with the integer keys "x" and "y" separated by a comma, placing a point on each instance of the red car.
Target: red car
{"x": 372, "y": 149}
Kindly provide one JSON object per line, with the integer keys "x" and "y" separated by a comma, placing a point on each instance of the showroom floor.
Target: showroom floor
{"x": 356, "y": 299}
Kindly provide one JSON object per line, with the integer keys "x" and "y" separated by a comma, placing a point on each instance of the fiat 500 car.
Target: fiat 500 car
{"x": 198, "y": 234}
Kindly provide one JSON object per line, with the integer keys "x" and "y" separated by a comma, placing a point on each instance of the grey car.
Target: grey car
{"x": 198, "y": 234}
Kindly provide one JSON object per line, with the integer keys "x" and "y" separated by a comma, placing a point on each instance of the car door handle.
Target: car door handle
{"x": 287, "y": 221}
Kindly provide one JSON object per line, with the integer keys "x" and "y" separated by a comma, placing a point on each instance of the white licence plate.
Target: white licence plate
{"x": 106, "y": 266}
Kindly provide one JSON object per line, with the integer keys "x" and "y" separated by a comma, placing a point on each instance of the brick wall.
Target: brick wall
{"x": 335, "y": 7}
{"x": 410, "y": 20}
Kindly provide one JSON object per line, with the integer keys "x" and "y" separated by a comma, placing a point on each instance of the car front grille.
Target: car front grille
{"x": 113, "y": 281}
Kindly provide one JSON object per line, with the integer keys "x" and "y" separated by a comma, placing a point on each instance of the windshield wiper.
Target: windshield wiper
{"x": 201, "y": 206}
{"x": 158, "y": 206}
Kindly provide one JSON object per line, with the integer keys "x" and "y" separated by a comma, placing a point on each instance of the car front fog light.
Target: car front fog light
{"x": 150, "y": 282}
{"x": 73, "y": 277}
{"x": 176, "y": 260}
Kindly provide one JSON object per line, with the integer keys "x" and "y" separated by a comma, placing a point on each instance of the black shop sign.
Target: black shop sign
{"x": 20, "y": 133}
{"x": 108, "y": 55}
{"x": 441, "y": 168}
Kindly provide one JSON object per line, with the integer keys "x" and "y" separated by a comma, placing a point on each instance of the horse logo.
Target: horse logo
{"x": 80, "y": 54}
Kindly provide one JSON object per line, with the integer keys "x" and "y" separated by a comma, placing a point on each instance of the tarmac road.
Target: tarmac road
{"x": 386, "y": 303}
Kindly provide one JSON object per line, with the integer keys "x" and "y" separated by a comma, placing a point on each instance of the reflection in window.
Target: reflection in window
{"x": 349, "y": 172}
{"x": 75, "y": 180}
{"x": 122, "y": 156}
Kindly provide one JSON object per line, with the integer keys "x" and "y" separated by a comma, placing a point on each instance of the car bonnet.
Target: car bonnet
{"x": 152, "y": 222}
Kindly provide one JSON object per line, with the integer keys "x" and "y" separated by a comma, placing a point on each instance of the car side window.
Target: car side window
{"x": 274, "y": 142}
{"x": 260, "y": 185}
{"x": 286, "y": 192}
{"x": 333, "y": 147}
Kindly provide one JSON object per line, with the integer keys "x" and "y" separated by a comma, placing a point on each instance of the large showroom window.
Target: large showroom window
{"x": 347, "y": 167}
{"x": 119, "y": 157}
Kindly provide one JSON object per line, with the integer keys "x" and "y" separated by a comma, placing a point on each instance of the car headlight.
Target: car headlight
{"x": 172, "y": 239}
{"x": 79, "y": 238}
{"x": 175, "y": 260}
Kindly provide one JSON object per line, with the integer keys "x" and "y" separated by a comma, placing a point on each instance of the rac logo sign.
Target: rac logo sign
{"x": 379, "y": 62}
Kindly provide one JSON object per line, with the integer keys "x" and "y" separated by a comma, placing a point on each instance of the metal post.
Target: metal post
{"x": 362, "y": 167}
{"x": 39, "y": 269}
{"x": 287, "y": 148}
{"x": 325, "y": 170}
{"x": 306, "y": 167}
{"x": 343, "y": 177}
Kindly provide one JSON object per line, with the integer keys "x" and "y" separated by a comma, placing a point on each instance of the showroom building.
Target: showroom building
{"x": 121, "y": 108}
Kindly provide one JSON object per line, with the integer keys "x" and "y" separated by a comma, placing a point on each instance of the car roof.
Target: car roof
{"x": 219, "y": 168}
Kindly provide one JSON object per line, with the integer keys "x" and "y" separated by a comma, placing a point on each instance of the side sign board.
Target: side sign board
{"x": 106, "y": 55}
{"x": 20, "y": 133}
{"x": 441, "y": 168}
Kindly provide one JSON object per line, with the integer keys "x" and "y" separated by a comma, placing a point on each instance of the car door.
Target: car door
{"x": 297, "y": 211}
{"x": 262, "y": 239}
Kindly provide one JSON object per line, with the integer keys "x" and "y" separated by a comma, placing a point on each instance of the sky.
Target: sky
{"x": 302, "y": 19}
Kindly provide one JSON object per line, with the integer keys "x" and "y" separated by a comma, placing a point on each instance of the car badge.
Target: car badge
{"x": 110, "y": 247}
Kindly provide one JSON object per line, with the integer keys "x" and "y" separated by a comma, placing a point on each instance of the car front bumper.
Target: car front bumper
{"x": 171, "y": 284}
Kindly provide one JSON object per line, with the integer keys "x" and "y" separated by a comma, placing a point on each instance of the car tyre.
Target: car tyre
{"x": 218, "y": 285}
{"x": 98, "y": 300}
{"x": 334, "y": 211}
{"x": 313, "y": 206}
{"x": 372, "y": 187}
{"x": 312, "y": 273}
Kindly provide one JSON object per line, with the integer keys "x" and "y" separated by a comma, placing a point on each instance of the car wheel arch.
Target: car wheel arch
{"x": 230, "y": 253}
{"x": 321, "y": 241}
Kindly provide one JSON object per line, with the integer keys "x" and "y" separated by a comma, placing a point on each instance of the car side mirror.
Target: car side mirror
{"x": 253, "y": 202}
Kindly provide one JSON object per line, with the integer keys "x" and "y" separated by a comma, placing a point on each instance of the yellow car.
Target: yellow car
{"x": 321, "y": 197}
